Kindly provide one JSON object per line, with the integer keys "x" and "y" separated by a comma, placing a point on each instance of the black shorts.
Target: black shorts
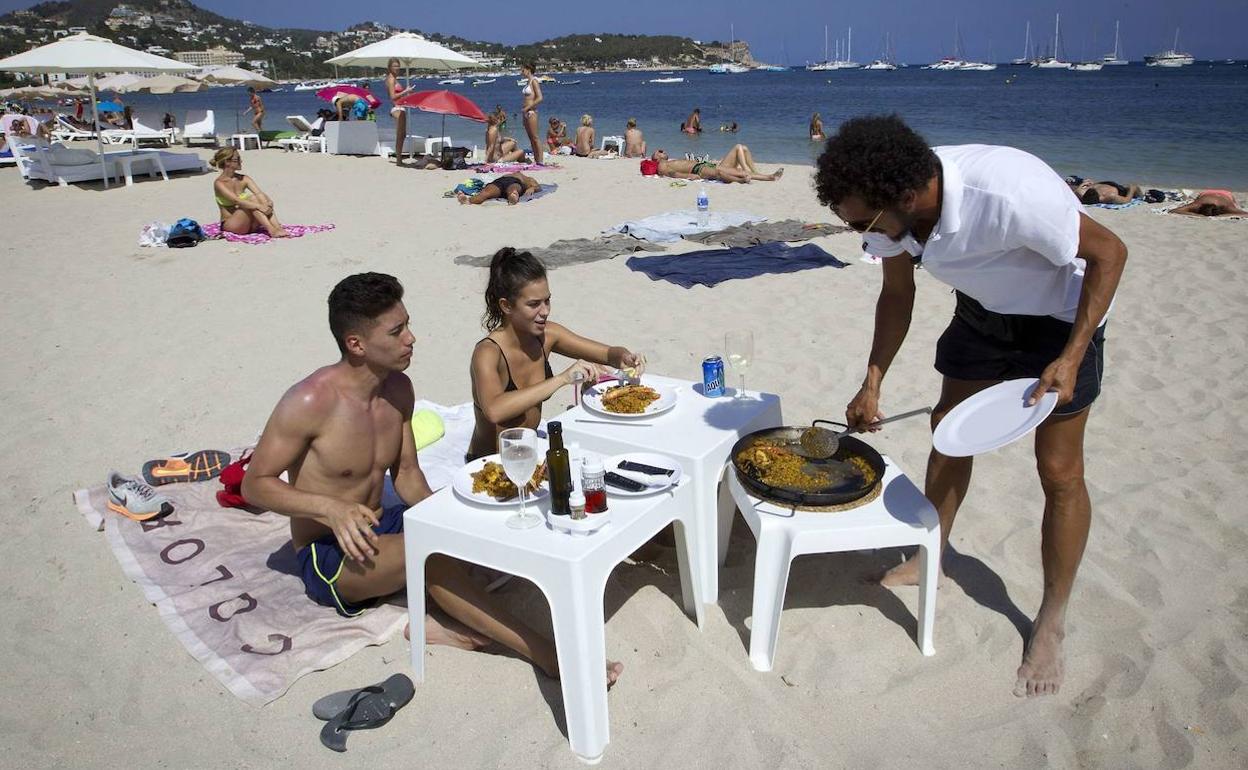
{"x": 982, "y": 345}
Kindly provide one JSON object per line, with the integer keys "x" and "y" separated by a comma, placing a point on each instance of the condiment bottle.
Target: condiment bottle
{"x": 558, "y": 466}
{"x": 594, "y": 484}
{"x": 576, "y": 501}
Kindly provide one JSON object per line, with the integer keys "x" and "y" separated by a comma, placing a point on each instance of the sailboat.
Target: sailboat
{"x": 1026, "y": 57}
{"x": 1170, "y": 58}
{"x": 1054, "y": 62}
{"x": 1114, "y": 59}
{"x": 730, "y": 67}
{"x": 826, "y": 64}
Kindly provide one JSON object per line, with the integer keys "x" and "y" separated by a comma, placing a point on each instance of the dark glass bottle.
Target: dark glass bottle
{"x": 559, "y": 471}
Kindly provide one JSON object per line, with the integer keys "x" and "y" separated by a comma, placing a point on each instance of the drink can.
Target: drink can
{"x": 713, "y": 376}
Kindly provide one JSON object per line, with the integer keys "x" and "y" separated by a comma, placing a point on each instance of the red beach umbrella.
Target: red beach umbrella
{"x": 443, "y": 103}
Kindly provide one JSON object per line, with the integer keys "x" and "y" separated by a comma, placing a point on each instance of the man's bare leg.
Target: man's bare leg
{"x": 947, "y": 479}
{"x": 1064, "y": 533}
{"x": 451, "y": 587}
{"x": 489, "y": 192}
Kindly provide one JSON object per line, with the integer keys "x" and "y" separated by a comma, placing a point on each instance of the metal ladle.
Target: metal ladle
{"x": 820, "y": 443}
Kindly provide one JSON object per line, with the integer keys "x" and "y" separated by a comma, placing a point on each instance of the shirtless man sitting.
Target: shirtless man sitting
{"x": 335, "y": 434}
{"x": 736, "y": 166}
{"x": 634, "y": 141}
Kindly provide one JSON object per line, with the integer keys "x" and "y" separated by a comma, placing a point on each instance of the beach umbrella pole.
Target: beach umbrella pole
{"x": 95, "y": 120}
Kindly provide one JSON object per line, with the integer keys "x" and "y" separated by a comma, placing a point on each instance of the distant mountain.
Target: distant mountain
{"x": 167, "y": 26}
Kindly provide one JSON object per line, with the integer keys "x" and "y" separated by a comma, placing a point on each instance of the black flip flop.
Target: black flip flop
{"x": 364, "y": 709}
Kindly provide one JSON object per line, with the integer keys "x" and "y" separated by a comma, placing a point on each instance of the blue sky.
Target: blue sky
{"x": 921, "y": 29}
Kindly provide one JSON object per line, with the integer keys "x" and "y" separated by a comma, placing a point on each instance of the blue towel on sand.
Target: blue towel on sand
{"x": 1127, "y": 205}
{"x": 712, "y": 266}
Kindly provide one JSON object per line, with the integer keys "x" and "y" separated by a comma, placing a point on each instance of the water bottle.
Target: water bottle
{"x": 704, "y": 208}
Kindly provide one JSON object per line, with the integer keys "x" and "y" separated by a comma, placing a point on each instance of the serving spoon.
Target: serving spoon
{"x": 820, "y": 443}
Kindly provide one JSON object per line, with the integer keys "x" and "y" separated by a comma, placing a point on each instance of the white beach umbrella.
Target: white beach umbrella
{"x": 412, "y": 51}
{"x": 120, "y": 82}
{"x": 90, "y": 54}
{"x": 166, "y": 84}
{"x": 236, "y": 76}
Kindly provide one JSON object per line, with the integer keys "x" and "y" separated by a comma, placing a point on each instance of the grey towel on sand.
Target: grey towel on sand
{"x": 575, "y": 251}
{"x": 751, "y": 233}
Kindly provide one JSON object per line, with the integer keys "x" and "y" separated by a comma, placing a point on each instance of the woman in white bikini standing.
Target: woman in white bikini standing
{"x": 398, "y": 113}
{"x": 532, "y": 92}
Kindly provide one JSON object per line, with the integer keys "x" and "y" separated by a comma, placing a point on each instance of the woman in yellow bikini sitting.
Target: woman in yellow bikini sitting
{"x": 244, "y": 206}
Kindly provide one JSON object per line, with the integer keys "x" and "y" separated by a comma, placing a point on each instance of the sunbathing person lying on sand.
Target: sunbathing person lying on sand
{"x": 512, "y": 186}
{"x": 736, "y": 166}
{"x": 1211, "y": 203}
{"x": 243, "y": 206}
{"x": 511, "y": 374}
{"x": 335, "y": 434}
{"x": 1089, "y": 192}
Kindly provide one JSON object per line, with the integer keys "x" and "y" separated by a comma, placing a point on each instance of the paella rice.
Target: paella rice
{"x": 629, "y": 399}
{"x": 493, "y": 481}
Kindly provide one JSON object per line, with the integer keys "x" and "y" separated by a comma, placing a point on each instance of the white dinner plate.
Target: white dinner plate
{"x": 655, "y": 483}
{"x": 462, "y": 484}
{"x": 591, "y": 399}
{"x": 992, "y": 418}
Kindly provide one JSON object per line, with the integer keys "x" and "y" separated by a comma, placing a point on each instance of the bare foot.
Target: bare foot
{"x": 779, "y": 173}
{"x": 452, "y": 634}
{"x": 279, "y": 233}
{"x": 614, "y": 669}
{"x": 462, "y": 198}
{"x": 513, "y": 198}
{"x": 1042, "y": 669}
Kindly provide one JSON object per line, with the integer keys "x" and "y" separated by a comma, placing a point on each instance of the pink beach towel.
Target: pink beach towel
{"x": 213, "y": 230}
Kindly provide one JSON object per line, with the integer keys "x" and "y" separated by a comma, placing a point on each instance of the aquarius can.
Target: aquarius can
{"x": 713, "y": 376}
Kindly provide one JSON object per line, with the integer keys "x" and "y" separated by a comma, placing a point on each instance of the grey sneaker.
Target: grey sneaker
{"x": 134, "y": 499}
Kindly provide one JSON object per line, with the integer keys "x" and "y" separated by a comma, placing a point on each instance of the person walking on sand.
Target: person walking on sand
{"x": 532, "y": 96}
{"x": 243, "y": 206}
{"x": 335, "y": 434}
{"x": 736, "y": 166}
{"x": 256, "y": 109}
{"x": 1035, "y": 278}
{"x": 398, "y": 113}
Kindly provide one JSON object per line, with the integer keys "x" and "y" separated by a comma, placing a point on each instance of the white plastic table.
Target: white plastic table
{"x": 699, "y": 432}
{"x": 241, "y": 140}
{"x": 571, "y": 570}
{"x": 901, "y": 515}
{"x": 125, "y": 164}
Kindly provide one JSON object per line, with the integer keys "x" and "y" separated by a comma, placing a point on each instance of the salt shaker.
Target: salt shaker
{"x": 576, "y": 501}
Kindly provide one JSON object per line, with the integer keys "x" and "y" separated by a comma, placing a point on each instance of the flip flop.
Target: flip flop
{"x": 364, "y": 709}
{"x": 196, "y": 466}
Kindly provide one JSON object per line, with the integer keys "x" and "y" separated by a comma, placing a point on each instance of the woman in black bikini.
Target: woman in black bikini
{"x": 511, "y": 186}
{"x": 510, "y": 370}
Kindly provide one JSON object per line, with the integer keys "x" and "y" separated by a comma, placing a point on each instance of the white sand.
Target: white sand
{"x": 115, "y": 353}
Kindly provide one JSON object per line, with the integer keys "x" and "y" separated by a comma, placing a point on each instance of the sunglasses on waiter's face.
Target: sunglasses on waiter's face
{"x": 859, "y": 225}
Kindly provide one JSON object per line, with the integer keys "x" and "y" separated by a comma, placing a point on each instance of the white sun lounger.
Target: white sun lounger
{"x": 199, "y": 126}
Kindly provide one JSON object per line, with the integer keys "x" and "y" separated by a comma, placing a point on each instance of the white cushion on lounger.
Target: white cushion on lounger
{"x": 72, "y": 156}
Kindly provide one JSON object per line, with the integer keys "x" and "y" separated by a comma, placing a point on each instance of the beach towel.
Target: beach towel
{"x": 574, "y": 251}
{"x": 226, "y": 583}
{"x": 541, "y": 192}
{"x": 503, "y": 168}
{"x": 714, "y": 266}
{"x": 213, "y": 230}
{"x": 671, "y": 226}
{"x": 1127, "y": 205}
{"x": 788, "y": 230}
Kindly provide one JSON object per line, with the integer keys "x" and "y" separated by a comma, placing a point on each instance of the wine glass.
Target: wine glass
{"x": 739, "y": 350}
{"x": 517, "y": 448}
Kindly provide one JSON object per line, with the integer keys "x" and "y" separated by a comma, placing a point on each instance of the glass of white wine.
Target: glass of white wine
{"x": 739, "y": 352}
{"x": 517, "y": 448}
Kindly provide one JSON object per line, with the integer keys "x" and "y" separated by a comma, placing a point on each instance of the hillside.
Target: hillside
{"x": 168, "y": 26}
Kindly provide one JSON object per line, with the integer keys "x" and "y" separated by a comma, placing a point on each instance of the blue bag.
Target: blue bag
{"x": 184, "y": 233}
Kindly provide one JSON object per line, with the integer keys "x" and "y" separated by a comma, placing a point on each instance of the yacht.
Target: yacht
{"x": 885, "y": 62}
{"x": 315, "y": 85}
{"x": 667, "y": 80}
{"x": 729, "y": 67}
{"x": 1026, "y": 57}
{"x": 1170, "y": 58}
{"x": 1114, "y": 59}
{"x": 1087, "y": 66}
{"x": 880, "y": 64}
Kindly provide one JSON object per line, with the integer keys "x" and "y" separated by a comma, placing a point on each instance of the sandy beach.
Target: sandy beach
{"x": 115, "y": 354}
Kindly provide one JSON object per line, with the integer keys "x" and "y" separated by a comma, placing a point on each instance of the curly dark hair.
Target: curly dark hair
{"x": 876, "y": 157}
{"x": 357, "y": 301}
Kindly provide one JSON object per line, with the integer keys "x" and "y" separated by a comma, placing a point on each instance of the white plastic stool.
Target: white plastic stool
{"x": 125, "y": 164}
{"x": 900, "y": 516}
{"x": 618, "y": 141}
{"x": 240, "y": 140}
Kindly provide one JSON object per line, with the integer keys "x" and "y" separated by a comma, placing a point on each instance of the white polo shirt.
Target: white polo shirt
{"x": 1007, "y": 236}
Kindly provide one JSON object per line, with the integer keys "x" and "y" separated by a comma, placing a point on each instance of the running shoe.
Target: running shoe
{"x": 134, "y": 499}
{"x": 196, "y": 466}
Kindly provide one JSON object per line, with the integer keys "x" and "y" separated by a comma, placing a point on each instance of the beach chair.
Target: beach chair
{"x": 305, "y": 141}
{"x": 64, "y": 131}
{"x": 616, "y": 144}
{"x": 6, "y": 124}
{"x": 199, "y": 126}
{"x": 149, "y": 126}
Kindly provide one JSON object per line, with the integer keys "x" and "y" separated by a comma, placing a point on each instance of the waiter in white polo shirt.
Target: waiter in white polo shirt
{"x": 1035, "y": 278}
